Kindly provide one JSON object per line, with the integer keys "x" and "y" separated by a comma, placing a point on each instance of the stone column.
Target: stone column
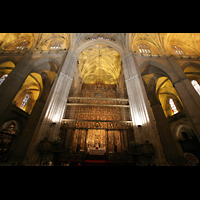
{"x": 13, "y": 83}
{"x": 10, "y": 87}
{"x": 166, "y": 137}
{"x": 140, "y": 109}
{"x": 169, "y": 145}
{"x": 17, "y": 152}
{"x": 57, "y": 99}
{"x": 188, "y": 96}
{"x": 55, "y": 105}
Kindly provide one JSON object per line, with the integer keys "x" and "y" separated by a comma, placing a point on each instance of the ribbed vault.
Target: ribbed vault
{"x": 100, "y": 63}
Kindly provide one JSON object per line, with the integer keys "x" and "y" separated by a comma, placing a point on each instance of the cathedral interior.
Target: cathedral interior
{"x": 100, "y": 99}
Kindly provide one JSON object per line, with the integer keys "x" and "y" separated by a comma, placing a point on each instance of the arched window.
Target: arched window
{"x": 173, "y": 106}
{"x": 56, "y": 45}
{"x": 196, "y": 86}
{"x": 144, "y": 48}
{"x": 23, "y": 45}
{"x": 26, "y": 98}
{"x": 3, "y": 78}
{"x": 178, "y": 51}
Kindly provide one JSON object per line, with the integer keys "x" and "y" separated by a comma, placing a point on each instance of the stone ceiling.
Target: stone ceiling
{"x": 158, "y": 42}
{"x": 100, "y": 63}
{"x": 103, "y": 61}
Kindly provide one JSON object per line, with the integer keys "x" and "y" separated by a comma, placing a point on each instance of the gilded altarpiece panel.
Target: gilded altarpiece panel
{"x": 97, "y": 119}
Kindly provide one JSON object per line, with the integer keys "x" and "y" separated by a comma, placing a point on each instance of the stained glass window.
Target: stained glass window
{"x": 3, "y": 78}
{"x": 26, "y": 98}
{"x": 196, "y": 86}
{"x": 178, "y": 51}
{"x": 173, "y": 106}
{"x": 144, "y": 48}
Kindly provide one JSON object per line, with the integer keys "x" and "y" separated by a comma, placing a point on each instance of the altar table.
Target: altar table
{"x": 94, "y": 151}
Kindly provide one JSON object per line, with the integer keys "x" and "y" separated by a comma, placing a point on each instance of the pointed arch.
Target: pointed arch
{"x": 7, "y": 59}
{"x": 188, "y": 64}
{"x": 94, "y": 42}
{"x": 42, "y": 64}
{"x": 152, "y": 66}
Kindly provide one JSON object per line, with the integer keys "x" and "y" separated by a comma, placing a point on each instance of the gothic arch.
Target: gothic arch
{"x": 42, "y": 64}
{"x": 98, "y": 41}
{"x": 180, "y": 126}
{"x": 37, "y": 78}
{"x": 6, "y": 59}
{"x": 185, "y": 136}
{"x": 156, "y": 76}
{"x": 157, "y": 67}
{"x": 6, "y": 67}
{"x": 187, "y": 64}
{"x": 37, "y": 66}
{"x": 156, "y": 64}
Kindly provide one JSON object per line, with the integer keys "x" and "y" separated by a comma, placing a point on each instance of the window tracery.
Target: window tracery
{"x": 56, "y": 45}
{"x": 173, "y": 106}
{"x": 25, "y": 100}
{"x": 144, "y": 48}
{"x": 22, "y": 45}
{"x": 100, "y": 38}
{"x": 196, "y": 86}
{"x": 3, "y": 78}
{"x": 178, "y": 51}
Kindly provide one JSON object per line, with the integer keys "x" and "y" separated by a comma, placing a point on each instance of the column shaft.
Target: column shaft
{"x": 140, "y": 109}
{"x": 188, "y": 96}
{"x": 55, "y": 105}
{"x": 13, "y": 83}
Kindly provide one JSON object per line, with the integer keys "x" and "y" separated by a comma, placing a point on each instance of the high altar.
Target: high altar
{"x": 97, "y": 120}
